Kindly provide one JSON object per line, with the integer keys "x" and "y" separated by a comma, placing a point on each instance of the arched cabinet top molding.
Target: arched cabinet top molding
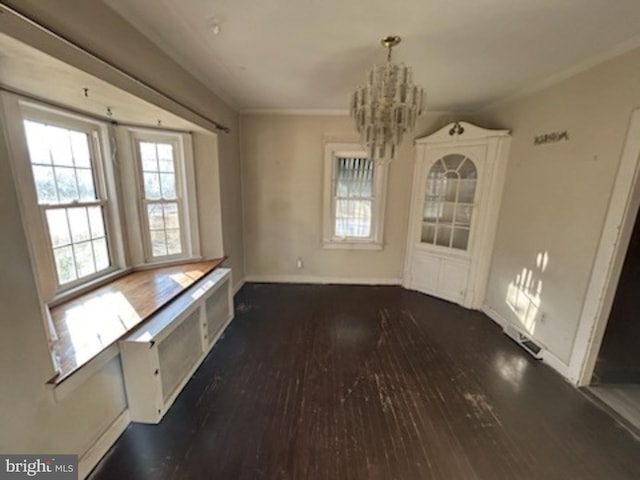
{"x": 460, "y": 132}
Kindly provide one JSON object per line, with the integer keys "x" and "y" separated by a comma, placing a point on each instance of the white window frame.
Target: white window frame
{"x": 114, "y": 168}
{"x": 185, "y": 192}
{"x": 17, "y": 110}
{"x": 374, "y": 241}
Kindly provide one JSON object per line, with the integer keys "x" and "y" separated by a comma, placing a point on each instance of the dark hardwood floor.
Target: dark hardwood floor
{"x": 336, "y": 382}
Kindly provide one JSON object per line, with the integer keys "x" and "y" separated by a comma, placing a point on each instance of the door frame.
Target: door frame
{"x": 454, "y": 135}
{"x": 607, "y": 267}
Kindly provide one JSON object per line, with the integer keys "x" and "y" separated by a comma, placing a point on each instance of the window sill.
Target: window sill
{"x": 68, "y": 295}
{"x": 92, "y": 323}
{"x": 347, "y": 245}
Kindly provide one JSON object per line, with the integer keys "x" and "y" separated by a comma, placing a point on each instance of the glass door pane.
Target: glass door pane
{"x": 448, "y": 203}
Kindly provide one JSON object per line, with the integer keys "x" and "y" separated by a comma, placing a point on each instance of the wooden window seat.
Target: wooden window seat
{"x": 92, "y": 322}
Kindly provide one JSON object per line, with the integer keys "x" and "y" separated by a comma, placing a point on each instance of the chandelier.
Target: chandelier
{"x": 387, "y": 107}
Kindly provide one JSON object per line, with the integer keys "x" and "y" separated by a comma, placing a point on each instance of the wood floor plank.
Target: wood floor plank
{"x": 373, "y": 383}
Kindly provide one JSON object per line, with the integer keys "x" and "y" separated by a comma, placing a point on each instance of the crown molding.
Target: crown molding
{"x": 296, "y": 111}
{"x": 591, "y": 62}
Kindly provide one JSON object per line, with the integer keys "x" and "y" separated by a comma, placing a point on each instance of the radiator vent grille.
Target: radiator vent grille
{"x": 179, "y": 352}
{"x": 524, "y": 341}
{"x": 217, "y": 313}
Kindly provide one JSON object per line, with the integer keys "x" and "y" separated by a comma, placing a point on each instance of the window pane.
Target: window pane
{"x": 85, "y": 184}
{"x": 467, "y": 191}
{"x": 158, "y": 243}
{"x": 168, "y": 184}
{"x": 60, "y": 145}
{"x": 80, "y": 147}
{"x": 101, "y": 254}
{"x": 437, "y": 171}
{"x": 468, "y": 170}
{"x": 37, "y": 142}
{"x": 151, "y": 186}
{"x": 354, "y": 177}
{"x": 96, "y": 222}
{"x": 79, "y": 224}
{"x": 45, "y": 184}
{"x": 446, "y": 215}
{"x": 460, "y": 238}
{"x": 353, "y": 218}
{"x": 84, "y": 259}
{"x": 156, "y": 220}
{"x": 453, "y": 161}
{"x": 58, "y": 227}
{"x": 463, "y": 214}
{"x": 444, "y": 235}
{"x": 433, "y": 210}
{"x": 64, "y": 264}
{"x": 428, "y": 233}
{"x": 165, "y": 157}
{"x": 171, "y": 215}
{"x": 148, "y": 155}
{"x": 174, "y": 244}
{"x": 66, "y": 183}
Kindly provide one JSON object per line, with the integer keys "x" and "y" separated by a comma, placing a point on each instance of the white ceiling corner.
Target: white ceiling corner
{"x": 309, "y": 55}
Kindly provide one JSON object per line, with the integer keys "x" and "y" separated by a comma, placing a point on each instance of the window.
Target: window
{"x": 91, "y": 191}
{"x": 70, "y": 197}
{"x": 449, "y": 201}
{"x": 160, "y": 200}
{"x": 167, "y": 214}
{"x": 354, "y": 194}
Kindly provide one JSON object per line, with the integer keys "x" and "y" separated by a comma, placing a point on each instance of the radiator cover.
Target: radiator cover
{"x": 160, "y": 358}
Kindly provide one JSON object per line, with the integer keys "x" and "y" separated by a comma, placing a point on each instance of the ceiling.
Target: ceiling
{"x": 311, "y": 54}
{"x": 27, "y": 70}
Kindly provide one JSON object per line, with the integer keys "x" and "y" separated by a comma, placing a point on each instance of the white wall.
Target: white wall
{"x": 556, "y": 195}
{"x": 31, "y": 421}
{"x": 282, "y": 162}
{"x": 207, "y": 171}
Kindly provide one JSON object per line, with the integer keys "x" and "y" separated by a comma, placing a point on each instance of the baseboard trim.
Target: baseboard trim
{"x": 495, "y": 316}
{"x": 557, "y": 364}
{"x": 238, "y": 286}
{"x": 547, "y": 357}
{"x": 89, "y": 459}
{"x": 322, "y": 280}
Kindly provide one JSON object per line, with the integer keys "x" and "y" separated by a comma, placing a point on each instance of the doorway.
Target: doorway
{"x": 619, "y": 357}
{"x": 616, "y": 377}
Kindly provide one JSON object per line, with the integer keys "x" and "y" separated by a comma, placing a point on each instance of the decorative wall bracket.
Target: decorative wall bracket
{"x": 457, "y": 129}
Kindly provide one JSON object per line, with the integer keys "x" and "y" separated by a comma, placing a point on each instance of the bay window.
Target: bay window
{"x": 99, "y": 199}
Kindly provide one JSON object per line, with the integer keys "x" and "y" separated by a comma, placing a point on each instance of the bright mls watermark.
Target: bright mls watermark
{"x": 53, "y": 467}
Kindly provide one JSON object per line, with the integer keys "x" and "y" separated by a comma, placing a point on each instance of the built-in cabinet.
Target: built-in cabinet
{"x": 458, "y": 178}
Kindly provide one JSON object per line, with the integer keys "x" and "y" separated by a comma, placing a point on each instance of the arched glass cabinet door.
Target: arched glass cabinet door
{"x": 449, "y": 203}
